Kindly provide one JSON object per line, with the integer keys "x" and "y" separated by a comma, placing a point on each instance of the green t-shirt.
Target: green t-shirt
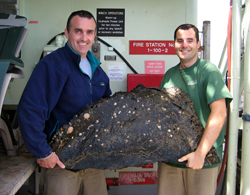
{"x": 204, "y": 84}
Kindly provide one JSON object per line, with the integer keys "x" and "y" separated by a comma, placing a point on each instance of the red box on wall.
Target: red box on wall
{"x": 148, "y": 80}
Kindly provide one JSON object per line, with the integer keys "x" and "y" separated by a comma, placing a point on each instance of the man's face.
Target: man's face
{"x": 81, "y": 34}
{"x": 186, "y": 47}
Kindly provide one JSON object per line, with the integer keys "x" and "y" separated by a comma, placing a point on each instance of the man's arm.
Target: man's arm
{"x": 39, "y": 97}
{"x": 215, "y": 122}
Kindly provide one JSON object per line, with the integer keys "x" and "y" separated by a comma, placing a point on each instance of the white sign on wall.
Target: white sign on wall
{"x": 115, "y": 73}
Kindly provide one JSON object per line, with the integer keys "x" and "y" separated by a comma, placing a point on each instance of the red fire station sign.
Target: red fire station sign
{"x": 151, "y": 48}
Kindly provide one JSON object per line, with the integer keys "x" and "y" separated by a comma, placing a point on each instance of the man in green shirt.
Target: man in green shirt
{"x": 204, "y": 84}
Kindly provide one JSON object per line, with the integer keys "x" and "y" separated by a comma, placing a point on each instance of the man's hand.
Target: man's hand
{"x": 194, "y": 160}
{"x": 50, "y": 162}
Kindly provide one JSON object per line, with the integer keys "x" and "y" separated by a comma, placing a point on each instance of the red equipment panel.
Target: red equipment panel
{"x": 148, "y": 80}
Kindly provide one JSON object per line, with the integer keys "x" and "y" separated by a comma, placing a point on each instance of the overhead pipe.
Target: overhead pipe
{"x": 245, "y": 156}
{"x": 234, "y": 108}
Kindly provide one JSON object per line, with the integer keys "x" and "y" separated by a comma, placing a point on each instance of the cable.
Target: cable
{"x": 50, "y": 41}
{"x": 102, "y": 41}
{"x": 229, "y": 85}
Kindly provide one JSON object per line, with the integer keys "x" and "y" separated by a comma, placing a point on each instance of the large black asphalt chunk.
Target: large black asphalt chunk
{"x": 129, "y": 129}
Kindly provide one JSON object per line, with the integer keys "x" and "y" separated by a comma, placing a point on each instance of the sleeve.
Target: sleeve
{"x": 215, "y": 86}
{"x": 38, "y": 99}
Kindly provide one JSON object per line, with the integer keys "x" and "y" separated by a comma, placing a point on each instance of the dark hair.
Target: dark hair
{"x": 186, "y": 27}
{"x": 81, "y": 13}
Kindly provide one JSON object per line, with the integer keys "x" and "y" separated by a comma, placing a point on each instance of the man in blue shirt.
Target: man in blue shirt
{"x": 62, "y": 84}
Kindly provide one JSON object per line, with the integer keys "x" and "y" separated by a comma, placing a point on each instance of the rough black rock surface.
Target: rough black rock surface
{"x": 129, "y": 129}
